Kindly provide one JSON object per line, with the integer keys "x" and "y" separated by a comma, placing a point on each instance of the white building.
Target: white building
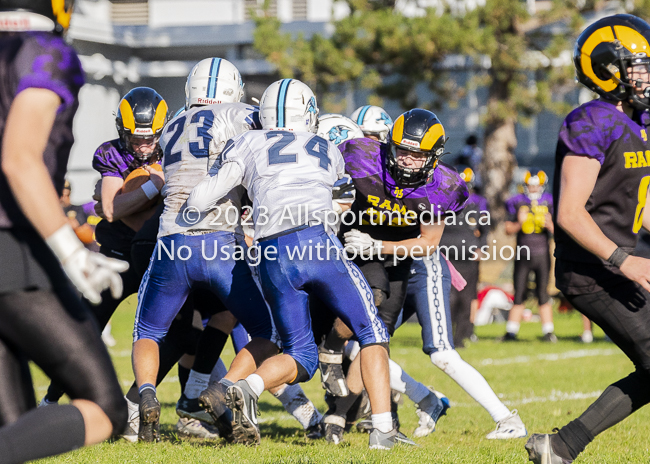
{"x": 128, "y": 43}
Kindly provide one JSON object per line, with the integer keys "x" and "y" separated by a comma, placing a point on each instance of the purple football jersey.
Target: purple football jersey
{"x": 388, "y": 211}
{"x": 533, "y": 233}
{"x": 598, "y": 130}
{"x": 39, "y": 60}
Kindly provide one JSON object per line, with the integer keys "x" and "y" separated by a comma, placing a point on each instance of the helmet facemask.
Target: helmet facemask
{"x": 412, "y": 177}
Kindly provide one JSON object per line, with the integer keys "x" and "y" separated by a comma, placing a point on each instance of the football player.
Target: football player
{"x": 402, "y": 198}
{"x": 41, "y": 317}
{"x": 529, "y": 216}
{"x": 600, "y": 188}
{"x": 470, "y": 230}
{"x": 373, "y": 121}
{"x": 287, "y": 168}
{"x": 141, "y": 116}
{"x": 208, "y": 243}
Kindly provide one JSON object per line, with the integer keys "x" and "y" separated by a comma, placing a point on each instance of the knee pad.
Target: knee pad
{"x": 302, "y": 375}
{"x": 306, "y": 359}
{"x": 445, "y": 360}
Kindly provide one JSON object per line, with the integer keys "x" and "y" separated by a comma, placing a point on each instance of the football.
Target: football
{"x": 136, "y": 179}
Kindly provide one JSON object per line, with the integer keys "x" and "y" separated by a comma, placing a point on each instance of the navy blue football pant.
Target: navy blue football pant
{"x": 297, "y": 273}
{"x": 210, "y": 261}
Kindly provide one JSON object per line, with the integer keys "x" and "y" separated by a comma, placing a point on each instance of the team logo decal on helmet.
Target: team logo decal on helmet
{"x": 416, "y": 131}
{"x": 337, "y": 128}
{"x": 373, "y": 120}
{"x": 606, "y": 50}
{"x": 211, "y": 81}
{"x": 289, "y": 104}
{"x": 338, "y": 134}
{"x": 35, "y": 15}
{"x": 141, "y": 117}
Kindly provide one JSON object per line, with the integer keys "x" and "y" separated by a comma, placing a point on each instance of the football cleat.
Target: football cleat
{"x": 314, "y": 432}
{"x": 510, "y": 427}
{"x": 196, "y": 429}
{"x": 133, "y": 426}
{"x": 383, "y": 441}
{"x": 190, "y": 409}
{"x": 332, "y": 377}
{"x": 429, "y": 410}
{"x": 540, "y": 450}
{"x": 243, "y": 403}
{"x": 149, "y": 428}
{"x": 334, "y": 428}
{"x": 508, "y": 337}
{"x": 550, "y": 338}
{"x": 213, "y": 400}
{"x": 45, "y": 402}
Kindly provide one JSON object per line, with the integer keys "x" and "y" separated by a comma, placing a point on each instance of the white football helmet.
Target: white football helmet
{"x": 373, "y": 120}
{"x": 213, "y": 80}
{"x": 289, "y": 104}
{"x": 337, "y": 128}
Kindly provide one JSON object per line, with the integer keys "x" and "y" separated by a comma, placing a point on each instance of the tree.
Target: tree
{"x": 377, "y": 47}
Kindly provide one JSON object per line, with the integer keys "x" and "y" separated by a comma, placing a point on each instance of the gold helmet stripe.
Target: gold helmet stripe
{"x": 604, "y": 34}
{"x": 62, "y": 14}
{"x": 398, "y": 130}
{"x": 128, "y": 120}
{"x": 632, "y": 40}
{"x": 160, "y": 117}
{"x": 431, "y": 137}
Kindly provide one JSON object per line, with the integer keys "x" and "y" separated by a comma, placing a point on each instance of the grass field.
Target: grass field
{"x": 549, "y": 385}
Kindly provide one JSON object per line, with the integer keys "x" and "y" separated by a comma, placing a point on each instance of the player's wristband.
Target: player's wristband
{"x": 150, "y": 190}
{"x": 64, "y": 242}
{"x": 617, "y": 258}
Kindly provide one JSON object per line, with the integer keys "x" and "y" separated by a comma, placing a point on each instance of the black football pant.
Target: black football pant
{"x": 541, "y": 266}
{"x": 58, "y": 333}
{"x": 461, "y": 302}
{"x": 623, "y": 312}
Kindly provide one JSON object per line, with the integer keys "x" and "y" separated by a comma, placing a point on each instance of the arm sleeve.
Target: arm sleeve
{"x": 212, "y": 189}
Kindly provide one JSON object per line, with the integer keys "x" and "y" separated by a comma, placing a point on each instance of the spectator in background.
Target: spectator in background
{"x": 529, "y": 216}
{"x": 471, "y": 229}
{"x": 79, "y": 219}
{"x": 471, "y": 156}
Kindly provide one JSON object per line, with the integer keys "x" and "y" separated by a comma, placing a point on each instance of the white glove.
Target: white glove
{"x": 90, "y": 272}
{"x": 363, "y": 243}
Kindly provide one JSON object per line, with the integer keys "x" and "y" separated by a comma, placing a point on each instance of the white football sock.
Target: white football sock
{"x": 404, "y": 383}
{"x": 382, "y": 422}
{"x": 548, "y": 328}
{"x": 512, "y": 327}
{"x": 351, "y": 350}
{"x": 218, "y": 372}
{"x": 196, "y": 383}
{"x": 471, "y": 381}
{"x": 256, "y": 383}
{"x": 133, "y": 408}
{"x": 297, "y": 404}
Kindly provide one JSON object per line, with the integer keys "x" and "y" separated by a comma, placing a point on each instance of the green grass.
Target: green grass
{"x": 548, "y": 391}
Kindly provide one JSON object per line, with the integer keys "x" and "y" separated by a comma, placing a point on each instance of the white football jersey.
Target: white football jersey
{"x": 191, "y": 144}
{"x": 288, "y": 176}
